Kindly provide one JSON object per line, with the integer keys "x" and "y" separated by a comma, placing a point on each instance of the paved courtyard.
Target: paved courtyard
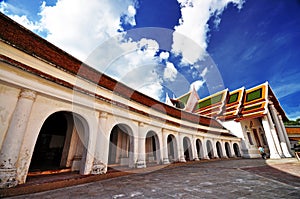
{"x": 239, "y": 178}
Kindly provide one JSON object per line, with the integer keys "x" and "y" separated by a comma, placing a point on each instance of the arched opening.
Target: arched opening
{"x": 209, "y": 147}
{"x": 172, "y": 149}
{"x": 120, "y": 146}
{"x": 199, "y": 149}
{"x": 61, "y": 144}
{"x": 152, "y": 148}
{"x": 236, "y": 150}
{"x": 227, "y": 148}
{"x": 219, "y": 149}
{"x": 188, "y": 155}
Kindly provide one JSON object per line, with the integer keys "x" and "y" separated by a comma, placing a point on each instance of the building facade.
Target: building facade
{"x": 58, "y": 113}
{"x": 293, "y": 132}
{"x": 254, "y": 115}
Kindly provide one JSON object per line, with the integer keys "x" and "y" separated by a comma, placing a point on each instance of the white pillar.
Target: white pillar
{"x": 165, "y": 147}
{"x": 285, "y": 135}
{"x": 14, "y": 137}
{"x": 205, "y": 153}
{"x": 141, "y": 163}
{"x": 180, "y": 148}
{"x": 194, "y": 148}
{"x": 134, "y": 146}
{"x": 272, "y": 148}
{"x": 274, "y": 135}
{"x": 102, "y": 146}
{"x": 215, "y": 152}
{"x": 280, "y": 133}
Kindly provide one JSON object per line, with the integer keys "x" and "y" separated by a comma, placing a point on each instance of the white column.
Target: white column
{"x": 274, "y": 135}
{"x": 194, "y": 148}
{"x": 165, "y": 147}
{"x": 14, "y": 137}
{"x": 102, "y": 146}
{"x": 134, "y": 147}
{"x": 279, "y": 132}
{"x": 215, "y": 152}
{"x": 180, "y": 148}
{"x": 204, "y": 145}
{"x": 272, "y": 148}
{"x": 285, "y": 135}
{"x": 141, "y": 163}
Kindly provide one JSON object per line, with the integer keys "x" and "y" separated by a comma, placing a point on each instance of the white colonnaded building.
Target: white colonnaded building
{"x": 59, "y": 113}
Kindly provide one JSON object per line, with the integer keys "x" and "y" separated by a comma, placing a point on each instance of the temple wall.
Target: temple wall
{"x": 28, "y": 100}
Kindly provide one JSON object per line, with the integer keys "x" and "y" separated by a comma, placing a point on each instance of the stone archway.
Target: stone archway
{"x": 219, "y": 149}
{"x": 236, "y": 150}
{"x": 121, "y": 146}
{"x": 172, "y": 148}
{"x": 199, "y": 149}
{"x": 61, "y": 144}
{"x": 209, "y": 147}
{"x": 227, "y": 148}
{"x": 152, "y": 148}
{"x": 187, "y": 149}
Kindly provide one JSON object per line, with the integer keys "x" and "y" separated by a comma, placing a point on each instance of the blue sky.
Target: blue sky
{"x": 208, "y": 44}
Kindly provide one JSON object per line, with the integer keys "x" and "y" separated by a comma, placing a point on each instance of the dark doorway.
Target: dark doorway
{"x": 152, "y": 148}
{"x": 219, "y": 149}
{"x": 199, "y": 149}
{"x": 171, "y": 148}
{"x": 187, "y": 149}
{"x": 256, "y": 138}
{"x": 227, "y": 148}
{"x": 209, "y": 149}
{"x": 50, "y": 143}
{"x": 121, "y": 146}
{"x": 61, "y": 144}
{"x": 236, "y": 150}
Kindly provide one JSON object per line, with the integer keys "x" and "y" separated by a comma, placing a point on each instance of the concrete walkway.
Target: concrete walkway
{"x": 234, "y": 178}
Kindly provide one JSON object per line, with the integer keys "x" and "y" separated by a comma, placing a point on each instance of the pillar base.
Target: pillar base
{"x": 285, "y": 150}
{"x": 99, "y": 168}
{"x": 182, "y": 159}
{"x": 275, "y": 156}
{"x": 140, "y": 164}
{"x": 8, "y": 178}
{"x": 166, "y": 161}
{"x": 224, "y": 157}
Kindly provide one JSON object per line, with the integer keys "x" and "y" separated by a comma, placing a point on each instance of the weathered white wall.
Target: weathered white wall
{"x": 8, "y": 100}
{"x": 97, "y": 116}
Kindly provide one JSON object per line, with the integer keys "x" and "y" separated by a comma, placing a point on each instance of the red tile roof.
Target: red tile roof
{"x": 293, "y": 130}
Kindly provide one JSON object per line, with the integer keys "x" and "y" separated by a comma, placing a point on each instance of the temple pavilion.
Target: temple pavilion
{"x": 255, "y": 115}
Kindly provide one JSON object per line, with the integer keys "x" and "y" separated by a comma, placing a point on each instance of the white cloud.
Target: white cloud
{"x": 164, "y": 55}
{"x": 197, "y": 84}
{"x": 78, "y": 26}
{"x": 286, "y": 89}
{"x": 131, "y": 62}
{"x": 130, "y": 17}
{"x": 170, "y": 72}
{"x": 93, "y": 27}
{"x": 19, "y": 16}
{"x": 190, "y": 36}
{"x": 24, "y": 21}
{"x": 90, "y": 31}
{"x": 204, "y": 72}
{"x": 7, "y": 8}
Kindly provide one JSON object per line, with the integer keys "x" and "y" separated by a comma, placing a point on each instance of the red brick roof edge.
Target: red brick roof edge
{"x": 23, "y": 39}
